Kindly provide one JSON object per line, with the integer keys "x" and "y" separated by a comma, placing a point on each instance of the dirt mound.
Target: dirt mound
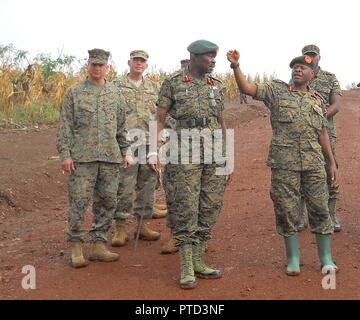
{"x": 238, "y": 114}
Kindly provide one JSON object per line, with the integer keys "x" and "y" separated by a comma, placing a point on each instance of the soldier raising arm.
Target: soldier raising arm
{"x": 295, "y": 157}
{"x": 299, "y": 84}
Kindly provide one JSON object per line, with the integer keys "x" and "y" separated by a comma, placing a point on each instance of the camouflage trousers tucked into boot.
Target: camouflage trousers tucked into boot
{"x": 77, "y": 257}
{"x": 100, "y": 252}
{"x": 187, "y": 277}
{"x": 120, "y": 237}
{"x": 200, "y": 268}
{"x": 146, "y": 233}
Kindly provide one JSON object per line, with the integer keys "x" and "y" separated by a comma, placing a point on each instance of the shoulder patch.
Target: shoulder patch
{"x": 336, "y": 83}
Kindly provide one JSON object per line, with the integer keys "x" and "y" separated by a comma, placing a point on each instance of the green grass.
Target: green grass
{"x": 40, "y": 113}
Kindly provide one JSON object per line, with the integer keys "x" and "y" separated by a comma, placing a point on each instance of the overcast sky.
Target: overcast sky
{"x": 268, "y": 33}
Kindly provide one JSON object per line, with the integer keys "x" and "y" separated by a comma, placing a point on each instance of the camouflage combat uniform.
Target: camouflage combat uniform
{"x": 194, "y": 193}
{"x": 92, "y": 133}
{"x": 141, "y": 107}
{"x": 326, "y": 85}
{"x": 295, "y": 156}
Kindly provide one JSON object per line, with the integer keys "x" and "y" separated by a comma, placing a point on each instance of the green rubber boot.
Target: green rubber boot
{"x": 324, "y": 252}
{"x": 200, "y": 268}
{"x": 292, "y": 254}
{"x": 332, "y": 211}
{"x": 187, "y": 278}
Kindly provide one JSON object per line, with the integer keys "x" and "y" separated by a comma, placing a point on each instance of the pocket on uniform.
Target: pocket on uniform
{"x": 287, "y": 111}
{"x": 184, "y": 105}
{"x": 110, "y": 112}
{"x": 182, "y": 98}
{"x": 85, "y": 115}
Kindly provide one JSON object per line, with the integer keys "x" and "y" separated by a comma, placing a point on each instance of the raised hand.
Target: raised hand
{"x": 233, "y": 56}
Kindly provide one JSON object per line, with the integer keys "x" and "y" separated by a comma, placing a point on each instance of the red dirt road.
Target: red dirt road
{"x": 245, "y": 246}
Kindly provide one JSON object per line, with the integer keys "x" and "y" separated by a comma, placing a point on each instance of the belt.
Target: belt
{"x": 194, "y": 122}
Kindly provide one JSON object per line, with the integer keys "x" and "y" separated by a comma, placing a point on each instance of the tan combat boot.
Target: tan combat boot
{"x": 169, "y": 247}
{"x": 160, "y": 206}
{"x": 159, "y": 213}
{"x": 120, "y": 237}
{"x": 187, "y": 277}
{"x": 99, "y": 252}
{"x": 200, "y": 268}
{"x": 147, "y": 234}
{"x": 77, "y": 257}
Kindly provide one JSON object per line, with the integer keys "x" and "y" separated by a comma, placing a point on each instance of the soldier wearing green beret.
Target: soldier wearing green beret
{"x": 326, "y": 85}
{"x": 194, "y": 192}
{"x": 92, "y": 143}
{"x": 169, "y": 246}
{"x": 295, "y": 156}
{"x": 141, "y": 94}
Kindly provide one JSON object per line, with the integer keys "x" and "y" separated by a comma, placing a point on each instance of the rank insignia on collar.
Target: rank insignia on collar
{"x": 186, "y": 79}
{"x": 210, "y": 81}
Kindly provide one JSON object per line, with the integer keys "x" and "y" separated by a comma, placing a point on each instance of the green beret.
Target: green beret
{"x": 305, "y": 60}
{"x": 310, "y": 48}
{"x": 139, "y": 54}
{"x": 202, "y": 46}
{"x": 98, "y": 56}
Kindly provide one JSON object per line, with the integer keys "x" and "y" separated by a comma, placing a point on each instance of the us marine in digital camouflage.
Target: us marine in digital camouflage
{"x": 140, "y": 94}
{"x": 295, "y": 156}
{"x": 92, "y": 144}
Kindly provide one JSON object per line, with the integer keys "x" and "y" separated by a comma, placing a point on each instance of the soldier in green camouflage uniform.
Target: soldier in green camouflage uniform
{"x": 194, "y": 192}
{"x": 170, "y": 123}
{"x": 295, "y": 156}
{"x": 92, "y": 142}
{"x": 327, "y": 86}
{"x": 140, "y": 94}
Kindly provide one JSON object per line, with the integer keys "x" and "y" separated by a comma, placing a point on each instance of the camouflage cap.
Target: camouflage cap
{"x": 139, "y": 54}
{"x": 305, "y": 60}
{"x": 202, "y": 47}
{"x": 310, "y": 48}
{"x": 98, "y": 56}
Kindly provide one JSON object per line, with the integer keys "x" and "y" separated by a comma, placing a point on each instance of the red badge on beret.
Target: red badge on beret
{"x": 186, "y": 79}
{"x": 307, "y": 59}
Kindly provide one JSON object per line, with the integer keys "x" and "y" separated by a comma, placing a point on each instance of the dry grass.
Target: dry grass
{"x": 26, "y": 87}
